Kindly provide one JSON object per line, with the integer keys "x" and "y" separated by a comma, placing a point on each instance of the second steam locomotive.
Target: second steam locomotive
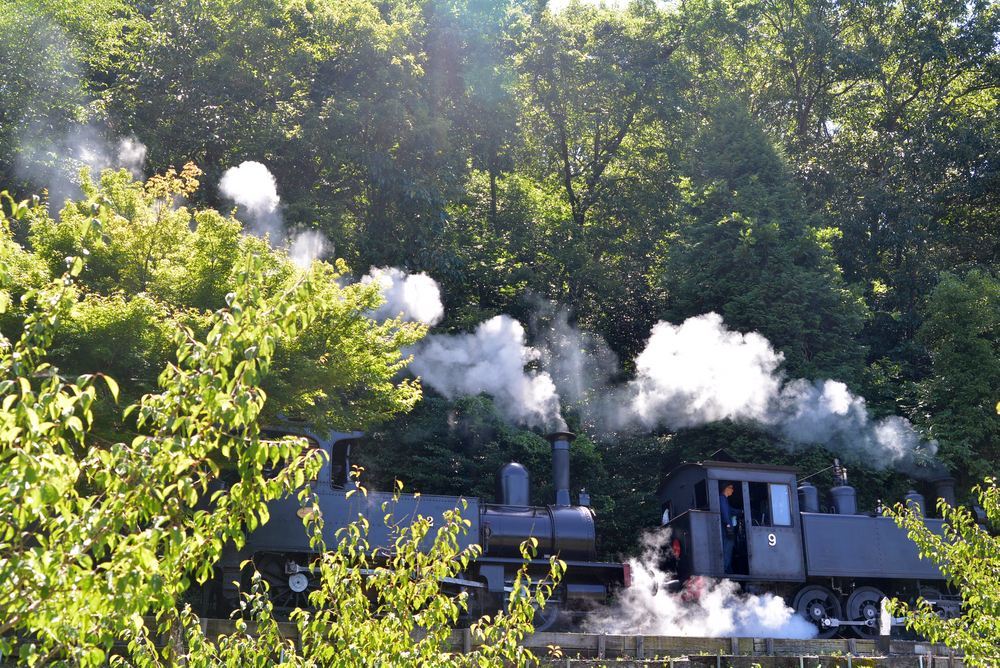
{"x": 281, "y": 553}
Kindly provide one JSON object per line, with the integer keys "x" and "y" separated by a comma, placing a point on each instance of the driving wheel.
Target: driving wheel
{"x": 817, "y": 604}
{"x": 289, "y": 581}
{"x": 865, "y": 605}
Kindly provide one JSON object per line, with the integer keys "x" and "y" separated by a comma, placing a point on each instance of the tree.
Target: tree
{"x": 96, "y": 534}
{"x": 157, "y": 267}
{"x": 749, "y": 250}
{"x": 969, "y": 557}
{"x": 961, "y": 331}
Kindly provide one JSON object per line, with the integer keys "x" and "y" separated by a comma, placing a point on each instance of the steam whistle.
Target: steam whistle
{"x": 839, "y": 472}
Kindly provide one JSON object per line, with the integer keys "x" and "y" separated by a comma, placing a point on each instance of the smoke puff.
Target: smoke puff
{"x": 413, "y": 297}
{"x": 581, "y": 363}
{"x": 306, "y": 247}
{"x": 132, "y": 155}
{"x": 252, "y": 186}
{"x": 54, "y": 160}
{"x": 708, "y": 608}
{"x": 490, "y": 360}
{"x": 700, "y": 372}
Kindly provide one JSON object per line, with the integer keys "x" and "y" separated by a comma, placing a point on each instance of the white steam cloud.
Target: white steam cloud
{"x": 306, "y": 247}
{"x": 53, "y": 161}
{"x": 253, "y": 188}
{"x": 255, "y": 191}
{"x": 413, "y": 297}
{"x": 706, "y": 608}
{"x": 700, "y": 372}
{"x": 492, "y": 360}
{"x": 132, "y": 155}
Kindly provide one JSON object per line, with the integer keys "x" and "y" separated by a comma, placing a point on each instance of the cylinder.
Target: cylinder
{"x": 560, "y": 441}
{"x": 513, "y": 485}
{"x": 915, "y": 500}
{"x": 808, "y": 498}
{"x": 944, "y": 488}
{"x": 845, "y": 500}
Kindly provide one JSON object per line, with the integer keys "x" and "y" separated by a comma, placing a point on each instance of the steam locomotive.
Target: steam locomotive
{"x": 833, "y": 568}
{"x": 280, "y": 549}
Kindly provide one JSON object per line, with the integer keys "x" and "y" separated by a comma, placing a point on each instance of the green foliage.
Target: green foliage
{"x": 969, "y": 556}
{"x": 961, "y": 331}
{"x": 748, "y": 251}
{"x": 97, "y": 535}
{"x": 105, "y": 533}
{"x": 156, "y": 267}
{"x": 808, "y": 169}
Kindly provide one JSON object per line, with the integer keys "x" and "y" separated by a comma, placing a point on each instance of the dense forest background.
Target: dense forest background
{"x": 823, "y": 173}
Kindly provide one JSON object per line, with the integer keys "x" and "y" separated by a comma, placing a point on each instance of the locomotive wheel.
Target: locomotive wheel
{"x": 865, "y": 605}
{"x": 947, "y": 607}
{"x": 547, "y": 618}
{"x": 816, "y": 603}
{"x": 286, "y": 590}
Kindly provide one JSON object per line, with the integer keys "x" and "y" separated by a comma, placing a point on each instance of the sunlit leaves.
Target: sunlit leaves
{"x": 968, "y": 554}
{"x": 98, "y": 534}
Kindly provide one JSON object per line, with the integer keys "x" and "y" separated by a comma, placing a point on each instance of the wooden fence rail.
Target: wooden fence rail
{"x": 586, "y": 650}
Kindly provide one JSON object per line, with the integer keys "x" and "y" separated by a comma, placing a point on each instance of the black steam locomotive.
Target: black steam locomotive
{"x": 281, "y": 553}
{"x": 833, "y": 568}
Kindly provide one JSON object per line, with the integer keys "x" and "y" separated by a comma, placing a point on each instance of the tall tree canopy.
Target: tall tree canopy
{"x": 822, "y": 172}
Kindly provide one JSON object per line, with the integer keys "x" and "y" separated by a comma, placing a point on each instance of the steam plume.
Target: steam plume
{"x": 132, "y": 155}
{"x": 253, "y": 188}
{"x": 581, "y": 363}
{"x": 413, "y": 297}
{"x": 708, "y": 608}
{"x": 700, "y": 372}
{"x": 492, "y": 360}
{"x": 306, "y": 247}
{"x": 255, "y": 191}
{"x": 53, "y": 161}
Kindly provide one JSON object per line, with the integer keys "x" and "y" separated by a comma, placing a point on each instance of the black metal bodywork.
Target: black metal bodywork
{"x": 500, "y": 529}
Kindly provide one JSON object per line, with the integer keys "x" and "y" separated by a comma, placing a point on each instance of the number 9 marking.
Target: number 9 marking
{"x": 772, "y": 540}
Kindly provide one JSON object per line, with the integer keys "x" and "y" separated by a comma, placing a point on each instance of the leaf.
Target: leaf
{"x": 112, "y": 386}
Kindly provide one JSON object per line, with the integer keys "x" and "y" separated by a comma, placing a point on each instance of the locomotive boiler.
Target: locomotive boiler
{"x": 833, "y": 568}
{"x": 281, "y": 553}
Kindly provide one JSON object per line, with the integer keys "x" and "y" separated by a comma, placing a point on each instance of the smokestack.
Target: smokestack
{"x": 560, "y": 441}
{"x": 944, "y": 488}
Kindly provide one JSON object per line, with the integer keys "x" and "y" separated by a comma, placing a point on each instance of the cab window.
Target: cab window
{"x": 770, "y": 504}
{"x": 781, "y": 507}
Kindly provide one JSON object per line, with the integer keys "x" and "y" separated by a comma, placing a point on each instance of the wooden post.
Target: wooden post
{"x": 734, "y": 646}
{"x": 640, "y": 647}
{"x": 602, "y": 645}
{"x": 884, "y": 627}
{"x": 466, "y": 641}
{"x": 769, "y": 646}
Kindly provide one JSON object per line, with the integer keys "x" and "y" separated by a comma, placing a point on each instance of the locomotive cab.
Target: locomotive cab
{"x": 763, "y": 531}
